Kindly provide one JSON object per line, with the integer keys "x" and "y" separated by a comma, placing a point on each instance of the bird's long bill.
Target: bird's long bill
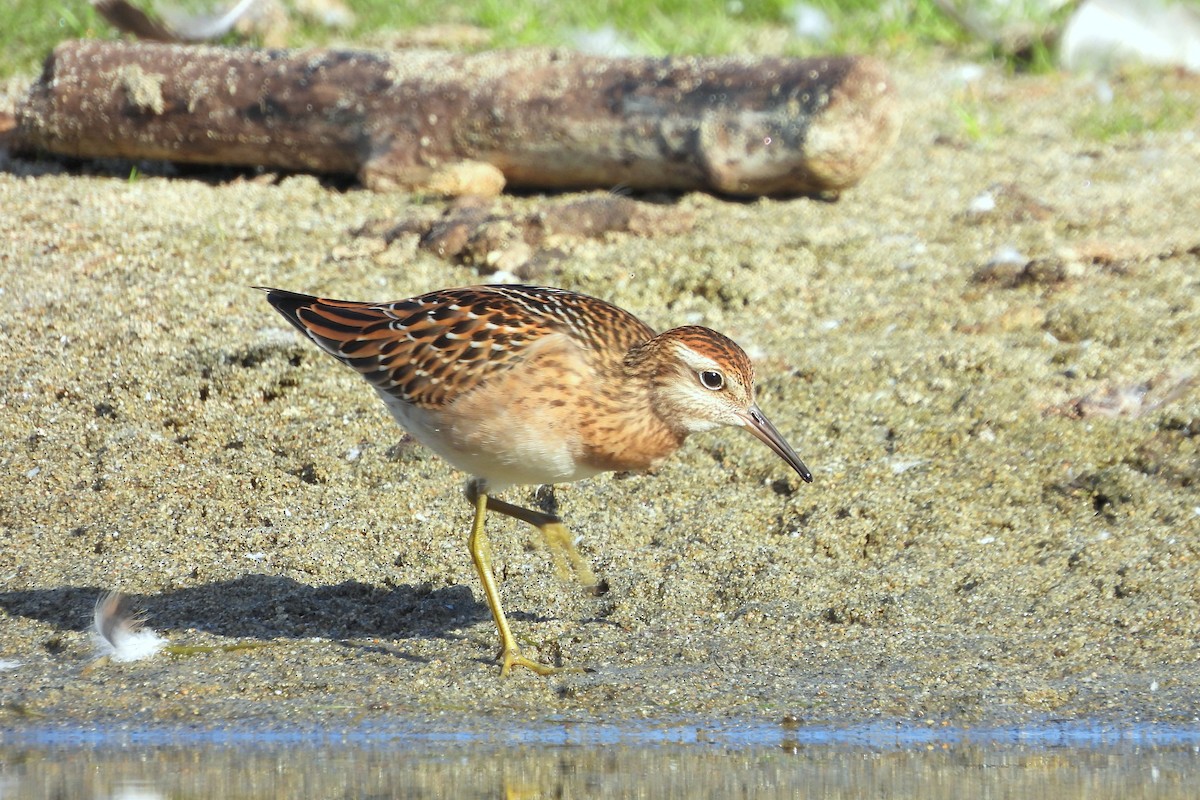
{"x": 761, "y": 427}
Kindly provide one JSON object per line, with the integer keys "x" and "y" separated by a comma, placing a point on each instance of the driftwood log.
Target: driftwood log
{"x": 455, "y": 123}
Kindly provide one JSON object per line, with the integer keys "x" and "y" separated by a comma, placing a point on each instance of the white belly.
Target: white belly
{"x": 505, "y": 450}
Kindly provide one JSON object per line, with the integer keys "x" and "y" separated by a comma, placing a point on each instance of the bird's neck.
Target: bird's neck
{"x": 626, "y": 390}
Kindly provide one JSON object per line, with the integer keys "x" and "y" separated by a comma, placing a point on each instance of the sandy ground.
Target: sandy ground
{"x": 1003, "y": 526}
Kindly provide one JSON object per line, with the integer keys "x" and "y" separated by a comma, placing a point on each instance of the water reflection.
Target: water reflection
{"x": 722, "y": 765}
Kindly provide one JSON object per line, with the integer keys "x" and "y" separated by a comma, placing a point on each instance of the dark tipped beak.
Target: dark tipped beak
{"x": 761, "y": 427}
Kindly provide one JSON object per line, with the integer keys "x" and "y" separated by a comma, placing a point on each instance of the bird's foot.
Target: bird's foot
{"x": 511, "y": 657}
{"x": 562, "y": 550}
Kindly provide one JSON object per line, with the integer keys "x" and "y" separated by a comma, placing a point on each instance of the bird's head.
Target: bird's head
{"x": 701, "y": 380}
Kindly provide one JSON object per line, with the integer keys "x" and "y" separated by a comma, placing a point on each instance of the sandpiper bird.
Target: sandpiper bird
{"x": 532, "y": 385}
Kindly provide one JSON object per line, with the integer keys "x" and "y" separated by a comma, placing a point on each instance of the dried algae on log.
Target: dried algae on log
{"x": 456, "y": 123}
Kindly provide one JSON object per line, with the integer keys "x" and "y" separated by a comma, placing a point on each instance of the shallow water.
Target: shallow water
{"x": 566, "y": 761}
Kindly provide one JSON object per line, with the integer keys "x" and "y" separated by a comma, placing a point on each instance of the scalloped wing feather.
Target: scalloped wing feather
{"x": 426, "y": 349}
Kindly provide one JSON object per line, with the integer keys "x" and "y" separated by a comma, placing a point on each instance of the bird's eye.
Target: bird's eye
{"x": 712, "y": 379}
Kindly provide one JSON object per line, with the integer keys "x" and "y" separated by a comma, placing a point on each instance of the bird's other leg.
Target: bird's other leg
{"x": 558, "y": 539}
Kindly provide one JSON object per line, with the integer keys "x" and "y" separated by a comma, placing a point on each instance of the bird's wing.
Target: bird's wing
{"x": 418, "y": 350}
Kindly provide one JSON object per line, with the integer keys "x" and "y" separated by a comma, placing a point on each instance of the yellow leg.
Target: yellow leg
{"x": 510, "y": 654}
{"x": 557, "y": 539}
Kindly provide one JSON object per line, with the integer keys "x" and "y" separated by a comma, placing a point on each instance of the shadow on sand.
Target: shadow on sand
{"x": 270, "y": 607}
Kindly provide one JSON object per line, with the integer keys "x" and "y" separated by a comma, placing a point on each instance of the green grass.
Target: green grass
{"x": 29, "y": 29}
{"x": 1170, "y": 108}
{"x": 33, "y": 27}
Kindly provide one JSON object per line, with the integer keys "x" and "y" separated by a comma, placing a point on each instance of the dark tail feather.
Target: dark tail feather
{"x": 289, "y": 304}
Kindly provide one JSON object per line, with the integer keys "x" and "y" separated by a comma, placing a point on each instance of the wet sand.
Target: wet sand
{"x": 1002, "y": 527}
